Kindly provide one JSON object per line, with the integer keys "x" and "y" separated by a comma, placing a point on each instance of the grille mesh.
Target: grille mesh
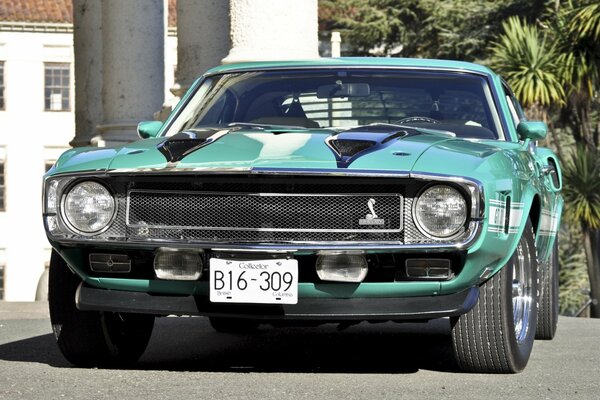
{"x": 268, "y": 212}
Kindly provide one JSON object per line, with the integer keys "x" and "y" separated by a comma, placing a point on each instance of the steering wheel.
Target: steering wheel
{"x": 417, "y": 119}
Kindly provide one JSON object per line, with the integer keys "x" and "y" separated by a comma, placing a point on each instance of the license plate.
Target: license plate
{"x": 256, "y": 281}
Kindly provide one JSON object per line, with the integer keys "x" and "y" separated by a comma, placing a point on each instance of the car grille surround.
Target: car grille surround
{"x": 246, "y": 210}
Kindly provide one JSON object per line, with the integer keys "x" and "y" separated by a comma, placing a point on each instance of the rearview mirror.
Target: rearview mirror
{"x": 343, "y": 90}
{"x": 534, "y": 130}
{"x": 149, "y": 129}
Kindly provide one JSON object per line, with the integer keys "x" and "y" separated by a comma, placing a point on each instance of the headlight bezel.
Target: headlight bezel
{"x": 467, "y": 211}
{"x": 63, "y": 214}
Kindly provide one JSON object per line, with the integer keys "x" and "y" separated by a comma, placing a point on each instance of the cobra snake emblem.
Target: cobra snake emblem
{"x": 371, "y": 205}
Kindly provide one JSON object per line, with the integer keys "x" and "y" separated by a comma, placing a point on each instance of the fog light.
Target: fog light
{"x": 342, "y": 267}
{"x": 179, "y": 265}
{"x": 428, "y": 268}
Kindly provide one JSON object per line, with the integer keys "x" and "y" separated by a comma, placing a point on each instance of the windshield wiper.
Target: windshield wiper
{"x": 264, "y": 126}
{"x": 432, "y": 131}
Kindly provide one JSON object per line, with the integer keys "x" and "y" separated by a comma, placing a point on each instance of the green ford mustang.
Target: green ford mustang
{"x": 338, "y": 190}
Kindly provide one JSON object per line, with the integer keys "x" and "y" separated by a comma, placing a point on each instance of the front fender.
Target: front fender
{"x": 514, "y": 191}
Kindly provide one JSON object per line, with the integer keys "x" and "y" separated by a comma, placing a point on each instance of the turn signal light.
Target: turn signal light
{"x": 428, "y": 268}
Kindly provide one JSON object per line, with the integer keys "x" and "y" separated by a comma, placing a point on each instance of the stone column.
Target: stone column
{"x": 133, "y": 50}
{"x": 202, "y": 42}
{"x": 87, "y": 42}
{"x": 203, "y": 38}
{"x": 273, "y": 30}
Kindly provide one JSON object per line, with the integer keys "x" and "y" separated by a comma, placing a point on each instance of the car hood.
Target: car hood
{"x": 382, "y": 148}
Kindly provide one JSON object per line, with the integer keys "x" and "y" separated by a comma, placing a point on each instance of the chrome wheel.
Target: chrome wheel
{"x": 522, "y": 290}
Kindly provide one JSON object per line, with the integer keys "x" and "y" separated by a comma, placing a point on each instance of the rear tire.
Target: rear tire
{"x": 498, "y": 333}
{"x": 92, "y": 338}
{"x": 233, "y": 325}
{"x": 547, "y": 318}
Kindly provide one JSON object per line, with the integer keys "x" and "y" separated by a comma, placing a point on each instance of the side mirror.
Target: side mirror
{"x": 534, "y": 130}
{"x": 149, "y": 129}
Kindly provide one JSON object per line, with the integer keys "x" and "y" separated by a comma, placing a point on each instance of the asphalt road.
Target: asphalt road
{"x": 186, "y": 359}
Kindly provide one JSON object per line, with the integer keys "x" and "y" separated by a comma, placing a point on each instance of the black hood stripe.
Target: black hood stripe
{"x": 176, "y": 147}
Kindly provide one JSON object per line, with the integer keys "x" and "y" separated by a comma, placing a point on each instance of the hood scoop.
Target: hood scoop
{"x": 356, "y": 142}
{"x": 176, "y": 147}
{"x": 350, "y": 147}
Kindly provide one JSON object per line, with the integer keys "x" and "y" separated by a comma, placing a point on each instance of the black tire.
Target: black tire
{"x": 233, "y": 325}
{"x": 487, "y": 339}
{"x": 547, "y": 317}
{"x": 92, "y": 338}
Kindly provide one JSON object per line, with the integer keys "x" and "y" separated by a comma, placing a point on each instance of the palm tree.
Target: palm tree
{"x": 582, "y": 199}
{"x": 577, "y": 31}
{"x": 529, "y": 63}
{"x": 584, "y": 28}
{"x": 526, "y": 59}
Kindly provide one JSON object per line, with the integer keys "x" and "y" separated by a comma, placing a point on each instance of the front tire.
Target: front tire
{"x": 92, "y": 338}
{"x": 497, "y": 335}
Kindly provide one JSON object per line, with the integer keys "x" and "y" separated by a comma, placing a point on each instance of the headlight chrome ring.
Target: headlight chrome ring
{"x": 88, "y": 208}
{"x": 440, "y": 211}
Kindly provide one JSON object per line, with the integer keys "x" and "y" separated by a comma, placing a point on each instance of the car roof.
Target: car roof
{"x": 378, "y": 62}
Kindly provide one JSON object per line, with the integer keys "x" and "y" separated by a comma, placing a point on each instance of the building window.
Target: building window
{"x": 2, "y": 181}
{"x": 1, "y": 85}
{"x": 57, "y": 87}
{"x": 1, "y": 281}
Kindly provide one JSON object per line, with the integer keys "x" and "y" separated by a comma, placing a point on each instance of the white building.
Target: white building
{"x": 118, "y": 51}
{"x": 37, "y": 123}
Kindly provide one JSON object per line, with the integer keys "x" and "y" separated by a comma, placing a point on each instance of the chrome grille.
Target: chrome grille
{"x": 272, "y": 216}
{"x": 289, "y": 210}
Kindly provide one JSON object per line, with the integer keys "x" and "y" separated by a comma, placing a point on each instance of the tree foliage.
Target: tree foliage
{"x": 574, "y": 26}
{"x": 379, "y": 27}
{"x": 581, "y": 46}
{"x": 464, "y": 29}
{"x": 582, "y": 189}
{"x": 573, "y": 279}
{"x": 458, "y": 29}
{"x": 529, "y": 64}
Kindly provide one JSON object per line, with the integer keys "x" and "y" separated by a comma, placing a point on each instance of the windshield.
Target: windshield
{"x": 457, "y": 102}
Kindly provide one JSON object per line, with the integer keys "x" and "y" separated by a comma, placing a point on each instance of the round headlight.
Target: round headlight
{"x": 88, "y": 207}
{"x": 440, "y": 211}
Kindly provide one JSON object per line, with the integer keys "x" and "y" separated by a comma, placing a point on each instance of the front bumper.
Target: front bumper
{"x": 322, "y": 309}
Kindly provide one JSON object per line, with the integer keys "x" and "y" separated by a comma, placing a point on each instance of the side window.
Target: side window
{"x": 516, "y": 110}
{"x": 220, "y": 111}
